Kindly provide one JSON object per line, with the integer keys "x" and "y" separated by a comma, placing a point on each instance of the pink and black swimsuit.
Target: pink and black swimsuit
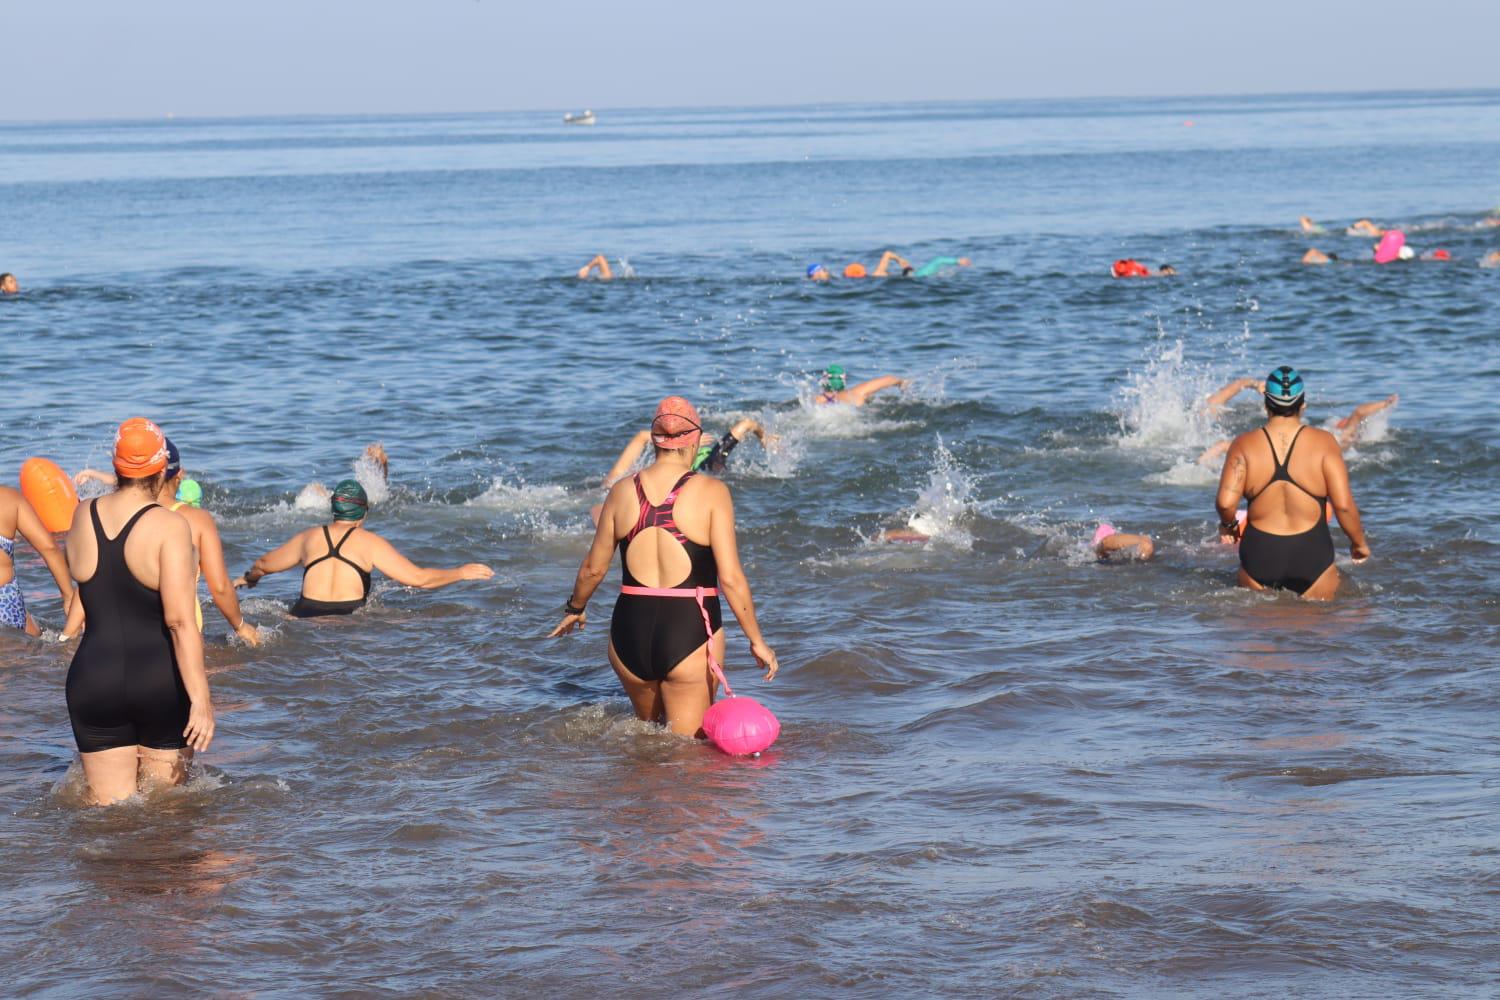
{"x": 655, "y": 628}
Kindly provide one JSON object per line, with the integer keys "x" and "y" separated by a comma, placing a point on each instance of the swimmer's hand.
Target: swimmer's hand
{"x": 766, "y": 657}
{"x": 475, "y": 571}
{"x": 248, "y": 633}
{"x": 1359, "y": 553}
{"x": 568, "y": 624}
{"x": 239, "y": 582}
{"x": 200, "y": 728}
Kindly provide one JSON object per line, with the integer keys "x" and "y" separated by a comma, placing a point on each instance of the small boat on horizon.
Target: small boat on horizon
{"x": 586, "y": 118}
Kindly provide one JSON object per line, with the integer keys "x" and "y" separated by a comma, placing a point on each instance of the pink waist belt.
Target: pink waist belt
{"x": 697, "y": 593}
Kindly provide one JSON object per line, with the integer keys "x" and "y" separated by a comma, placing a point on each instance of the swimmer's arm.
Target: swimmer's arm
{"x": 749, "y": 425}
{"x": 595, "y": 565}
{"x": 407, "y": 573}
{"x": 107, "y": 478}
{"x": 732, "y": 582}
{"x": 628, "y": 458}
{"x": 1223, "y": 395}
{"x": 1336, "y": 474}
{"x": 216, "y": 575}
{"x": 1231, "y": 489}
{"x": 1212, "y": 452}
{"x": 598, "y": 263}
{"x": 41, "y": 539}
{"x": 886, "y": 259}
{"x": 276, "y": 561}
{"x": 857, "y": 394}
{"x": 179, "y": 601}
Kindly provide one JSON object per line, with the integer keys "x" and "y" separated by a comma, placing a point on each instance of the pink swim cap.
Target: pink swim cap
{"x": 1104, "y": 530}
{"x": 1389, "y": 247}
{"x": 676, "y": 424}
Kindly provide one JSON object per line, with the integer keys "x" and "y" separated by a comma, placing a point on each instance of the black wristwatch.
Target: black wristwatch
{"x": 250, "y": 581}
{"x": 568, "y": 608}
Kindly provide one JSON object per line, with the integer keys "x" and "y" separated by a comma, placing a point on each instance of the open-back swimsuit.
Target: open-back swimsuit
{"x": 12, "y": 604}
{"x": 655, "y": 628}
{"x": 123, "y": 686}
{"x": 306, "y": 607}
{"x": 1290, "y": 562}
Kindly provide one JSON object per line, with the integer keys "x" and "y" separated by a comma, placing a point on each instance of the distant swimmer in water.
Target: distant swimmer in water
{"x": 1111, "y": 545}
{"x": 1309, "y": 226}
{"x": 1128, "y": 267}
{"x": 1491, "y": 259}
{"x": 1316, "y": 256}
{"x": 832, "y": 388}
{"x": 336, "y": 572}
{"x": 1221, "y": 396}
{"x": 598, "y": 264}
{"x": 17, "y": 516}
{"x": 818, "y": 272}
{"x": 1348, "y": 427}
{"x": 9, "y": 285}
{"x": 137, "y": 693}
{"x": 710, "y": 457}
{"x": 1285, "y": 542}
{"x": 206, "y": 542}
{"x": 675, "y": 532}
{"x": 1364, "y": 227}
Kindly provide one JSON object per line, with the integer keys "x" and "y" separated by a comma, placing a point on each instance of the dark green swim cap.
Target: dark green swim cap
{"x": 349, "y": 501}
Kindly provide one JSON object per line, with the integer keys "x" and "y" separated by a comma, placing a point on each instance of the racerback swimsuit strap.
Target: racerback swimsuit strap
{"x": 335, "y": 553}
{"x": 658, "y": 515}
{"x": 1282, "y": 474}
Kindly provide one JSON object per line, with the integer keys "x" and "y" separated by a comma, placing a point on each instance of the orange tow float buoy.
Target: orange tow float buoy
{"x": 50, "y": 493}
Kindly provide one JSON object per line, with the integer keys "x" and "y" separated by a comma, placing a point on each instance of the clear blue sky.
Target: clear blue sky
{"x": 110, "y": 59}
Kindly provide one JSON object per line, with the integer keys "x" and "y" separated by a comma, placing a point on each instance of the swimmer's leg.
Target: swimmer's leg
{"x": 32, "y": 629}
{"x": 163, "y": 768}
{"x": 1325, "y": 587}
{"x": 112, "y": 774}
{"x": 645, "y": 696}
{"x": 689, "y": 689}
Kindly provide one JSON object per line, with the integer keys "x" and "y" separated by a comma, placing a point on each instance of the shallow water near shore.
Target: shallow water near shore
{"x": 1004, "y": 768}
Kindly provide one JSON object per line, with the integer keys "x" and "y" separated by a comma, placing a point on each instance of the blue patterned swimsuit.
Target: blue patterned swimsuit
{"x": 12, "y": 604}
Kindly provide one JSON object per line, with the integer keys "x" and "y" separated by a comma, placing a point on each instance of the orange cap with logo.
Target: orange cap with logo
{"x": 140, "y": 449}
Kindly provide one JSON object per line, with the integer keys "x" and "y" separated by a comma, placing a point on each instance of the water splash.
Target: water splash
{"x": 944, "y": 505}
{"x": 1161, "y": 406}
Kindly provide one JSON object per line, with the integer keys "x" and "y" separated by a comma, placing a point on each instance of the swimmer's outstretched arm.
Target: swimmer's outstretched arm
{"x": 276, "y": 561}
{"x": 882, "y": 270}
{"x": 1349, "y": 426}
{"x": 595, "y": 563}
{"x": 1231, "y": 489}
{"x": 407, "y": 573}
{"x": 858, "y": 394}
{"x": 749, "y": 425}
{"x": 1342, "y": 498}
{"x": 732, "y": 582}
{"x": 628, "y": 458}
{"x": 599, "y": 264}
{"x": 107, "y": 478}
{"x": 1219, "y": 397}
{"x": 1212, "y": 452}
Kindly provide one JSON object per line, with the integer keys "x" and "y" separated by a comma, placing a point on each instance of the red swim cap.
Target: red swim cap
{"x": 676, "y": 424}
{"x": 1441, "y": 255}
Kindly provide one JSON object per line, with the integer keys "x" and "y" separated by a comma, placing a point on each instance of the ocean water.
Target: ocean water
{"x": 1005, "y": 769}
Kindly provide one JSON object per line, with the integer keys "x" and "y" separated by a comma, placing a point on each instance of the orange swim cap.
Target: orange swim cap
{"x": 855, "y": 270}
{"x": 676, "y": 424}
{"x": 140, "y": 449}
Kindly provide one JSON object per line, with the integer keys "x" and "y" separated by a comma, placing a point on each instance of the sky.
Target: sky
{"x": 93, "y": 59}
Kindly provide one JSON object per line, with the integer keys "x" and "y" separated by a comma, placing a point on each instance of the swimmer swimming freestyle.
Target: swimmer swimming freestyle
{"x": 833, "y": 387}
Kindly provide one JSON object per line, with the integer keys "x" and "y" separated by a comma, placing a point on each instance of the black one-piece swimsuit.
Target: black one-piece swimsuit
{"x": 1287, "y": 562}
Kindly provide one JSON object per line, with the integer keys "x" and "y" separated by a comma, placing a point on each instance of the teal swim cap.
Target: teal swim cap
{"x": 833, "y": 378}
{"x": 349, "y": 501}
{"x": 189, "y": 492}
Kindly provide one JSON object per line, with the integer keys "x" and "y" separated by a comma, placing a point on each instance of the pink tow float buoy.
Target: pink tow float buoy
{"x": 738, "y": 726}
{"x": 1389, "y": 247}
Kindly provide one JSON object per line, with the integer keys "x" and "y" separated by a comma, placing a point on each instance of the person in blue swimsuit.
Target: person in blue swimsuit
{"x": 16, "y": 516}
{"x": 675, "y": 532}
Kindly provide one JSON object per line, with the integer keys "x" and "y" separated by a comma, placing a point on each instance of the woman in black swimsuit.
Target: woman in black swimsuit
{"x": 137, "y": 693}
{"x": 1286, "y": 543}
{"x": 676, "y": 555}
{"x": 338, "y": 559}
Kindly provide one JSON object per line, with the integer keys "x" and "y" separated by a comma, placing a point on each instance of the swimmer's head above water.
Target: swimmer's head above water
{"x": 1285, "y": 392}
{"x": 818, "y": 272}
{"x": 833, "y": 379}
{"x": 8, "y": 284}
{"x": 190, "y": 492}
{"x": 349, "y": 501}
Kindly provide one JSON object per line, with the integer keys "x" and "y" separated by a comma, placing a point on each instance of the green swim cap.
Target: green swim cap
{"x": 349, "y": 501}
{"x": 833, "y": 378}
{"x": 189, "y": 492}
{"x": 704, "y": 450}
